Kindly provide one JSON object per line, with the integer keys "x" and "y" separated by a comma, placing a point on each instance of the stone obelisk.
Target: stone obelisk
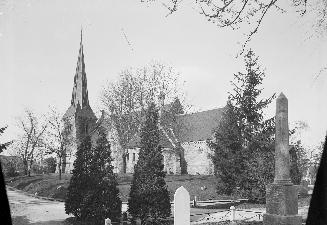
{"x": 281, "y": 195}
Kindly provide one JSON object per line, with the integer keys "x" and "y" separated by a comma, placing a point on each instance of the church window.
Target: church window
{"x": 133, "y": 157}
{"x": 127, "y": 157}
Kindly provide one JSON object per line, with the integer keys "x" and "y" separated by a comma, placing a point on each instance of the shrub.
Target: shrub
{"x": 149, "y": 196}
{"x": 92, "y": 193}
{"x": 50, "y": 165}
{"x": 11, "y": 172}
{"x": 38, "y": 169}
{"x": 80, "y": 182}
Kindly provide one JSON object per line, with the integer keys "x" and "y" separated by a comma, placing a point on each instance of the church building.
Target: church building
{"x": 183, "y": 137}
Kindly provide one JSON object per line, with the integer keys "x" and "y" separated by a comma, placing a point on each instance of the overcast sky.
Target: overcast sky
{"x": 39, "y": 42}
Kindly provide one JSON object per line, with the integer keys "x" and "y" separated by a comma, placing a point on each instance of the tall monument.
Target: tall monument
{"x": 79, "y": 116}
{"x": 281, "y": 195}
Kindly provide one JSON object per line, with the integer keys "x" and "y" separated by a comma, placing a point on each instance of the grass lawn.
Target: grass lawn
{"x": 49, "y": 185}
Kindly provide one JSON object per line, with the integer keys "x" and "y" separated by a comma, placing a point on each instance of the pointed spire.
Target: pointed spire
{"x": 80, "y": 93}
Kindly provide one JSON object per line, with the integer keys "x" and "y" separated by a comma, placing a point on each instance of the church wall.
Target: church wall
{"x": 115, "y": 148}
{"x": 170, "y": 161}
{"x": 71, "y": 150}
{"x": 197, "y": 158}
{"x": 131, "y": 159}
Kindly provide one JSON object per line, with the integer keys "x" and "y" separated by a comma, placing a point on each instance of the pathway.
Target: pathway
{"x": 26, "y": 210}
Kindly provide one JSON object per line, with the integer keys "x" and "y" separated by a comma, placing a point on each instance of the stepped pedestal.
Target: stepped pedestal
{"x": 281, "y": 196}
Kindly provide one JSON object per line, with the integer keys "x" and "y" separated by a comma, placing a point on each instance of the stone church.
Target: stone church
{"x": 183, "y": 137}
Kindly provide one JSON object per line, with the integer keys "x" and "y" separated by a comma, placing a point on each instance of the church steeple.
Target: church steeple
{"x": 80, "y": 93}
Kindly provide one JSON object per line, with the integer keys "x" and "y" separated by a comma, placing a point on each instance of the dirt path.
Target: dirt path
{"x": 27, "y": 210}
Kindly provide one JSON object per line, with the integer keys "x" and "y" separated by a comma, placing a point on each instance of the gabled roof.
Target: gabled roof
{"x": 193, "y": 127}
{"x": 198, "y": 126}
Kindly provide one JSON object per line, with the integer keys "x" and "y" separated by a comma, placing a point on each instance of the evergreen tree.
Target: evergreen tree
{"x": 3, "y": 146}
{"x": 92, "y": 193}
{"x": 244, "y": 137}
{"x": 80, "y": 182}
{"x": 102, "y": 200}
{"x": 227, "y": 145}
{"x": 149, "y": 196}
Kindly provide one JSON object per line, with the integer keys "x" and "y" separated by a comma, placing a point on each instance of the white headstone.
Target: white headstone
{"x": 181, "y": 207}
{"x": 107, "y": 221}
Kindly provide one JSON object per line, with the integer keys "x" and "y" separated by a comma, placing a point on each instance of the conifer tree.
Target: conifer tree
{"x": 149, "y": 196}
{"x": 92, "y": 193}
{"x": 80, "y": 181}
{"x": 102, "y": 200}
{"x": 226, "y": 158}
{"x": 251, "y": 142}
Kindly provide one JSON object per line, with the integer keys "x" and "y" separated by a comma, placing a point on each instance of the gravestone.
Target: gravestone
{"x": 181, "y": 207}
{"x": 281, "y": 195}
{"x": 107, "y": 221}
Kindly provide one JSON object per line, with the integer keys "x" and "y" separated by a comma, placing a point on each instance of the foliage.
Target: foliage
{"x": 80, "y": 182}
{"x": 296, "y": 176}
{"x": 149, "y": 196}
{"x": 102, "y": 200}
{"x": 31, "y": 141}
{"x": 299, "y": 156}
{"x": 50, "y": 165}
{"x": 11, "y": 165}
{"x": 58, "y": 138}
{"x": 11, "y": 172}
{"x": 38, "y": 169}
{"x": 227, "y": 145}
{"x": 243, "y": 145}
{"x": 92, "y": 193}
{"x": 3, "y": 146}
{"x": 127, "y": 99}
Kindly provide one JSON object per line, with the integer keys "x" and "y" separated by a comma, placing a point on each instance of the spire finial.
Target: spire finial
{"x": 81, "y": 34}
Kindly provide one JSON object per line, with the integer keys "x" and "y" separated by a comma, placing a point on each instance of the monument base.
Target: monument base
{"x": 270, "y": 219}
{"x": 282, "y": 205}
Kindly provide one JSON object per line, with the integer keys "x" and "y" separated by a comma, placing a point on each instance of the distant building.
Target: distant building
{"x": 190, "y": 132}
{"x": 182, "y": 136}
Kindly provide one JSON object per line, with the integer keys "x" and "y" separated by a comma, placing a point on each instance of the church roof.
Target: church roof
{"x": 198, "y": 126}
{"x": 193, "y": 127}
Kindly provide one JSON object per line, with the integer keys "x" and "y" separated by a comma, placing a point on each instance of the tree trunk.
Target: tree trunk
{"x": 25, "y": 167}
{"x": 183, "y": 163}
{"x": 124, "y": 165}
{"x": 60, "y": 167}
{"x": 29, "y": 167}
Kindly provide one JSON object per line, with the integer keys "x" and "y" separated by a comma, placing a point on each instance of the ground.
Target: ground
{"x": 49, "y": 185}
{"x": 28, "y": 210}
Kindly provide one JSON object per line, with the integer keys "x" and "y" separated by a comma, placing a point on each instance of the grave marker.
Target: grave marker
{"x": 281, "y": 195}
{"x": 181, "y": 207}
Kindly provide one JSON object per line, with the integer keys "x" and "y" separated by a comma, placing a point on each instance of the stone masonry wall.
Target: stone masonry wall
{"x": 197, "y": 158}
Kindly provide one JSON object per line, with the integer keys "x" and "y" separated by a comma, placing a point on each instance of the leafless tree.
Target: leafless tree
{"x": 247, "y": 13}
{"x": 127, "y": 99}
{"x": 58, "y": 138}
{"x": 31, "y": 141}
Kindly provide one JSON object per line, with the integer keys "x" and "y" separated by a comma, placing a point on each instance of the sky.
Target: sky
{"x": 39, "y": 42}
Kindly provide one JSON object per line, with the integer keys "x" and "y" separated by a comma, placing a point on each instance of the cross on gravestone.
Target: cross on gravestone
{"x": 181, "y": 207}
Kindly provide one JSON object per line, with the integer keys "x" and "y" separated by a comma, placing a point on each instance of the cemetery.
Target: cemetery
{"x": 281, "y": 198}
{"x": 176, "y": 172}
{"x": 212, "y": 114}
